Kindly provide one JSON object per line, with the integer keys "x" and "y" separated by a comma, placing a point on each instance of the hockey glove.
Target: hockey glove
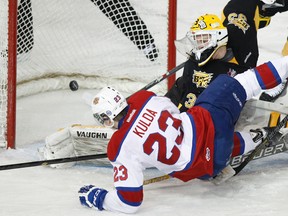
{"x": 92, "y": 196}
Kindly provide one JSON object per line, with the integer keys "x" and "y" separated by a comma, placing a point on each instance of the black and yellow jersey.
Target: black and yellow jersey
{"x": 196, "y": 79}
{"x": 240, "y": 17}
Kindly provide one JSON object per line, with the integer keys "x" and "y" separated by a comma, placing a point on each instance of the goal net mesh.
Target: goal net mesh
{"x": 96, "y": 42}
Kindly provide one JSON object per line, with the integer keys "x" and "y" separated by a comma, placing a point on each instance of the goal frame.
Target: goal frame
{"x": 12, "y": 63}
{"x": 12, "y": 74}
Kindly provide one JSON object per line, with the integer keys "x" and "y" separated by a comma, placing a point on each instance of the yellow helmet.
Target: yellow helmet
{"x": 206, "y": 35}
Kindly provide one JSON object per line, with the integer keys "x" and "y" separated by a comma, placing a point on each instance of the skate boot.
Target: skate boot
{"x": 272, "y": 94}
{"x": 258, "y": 135}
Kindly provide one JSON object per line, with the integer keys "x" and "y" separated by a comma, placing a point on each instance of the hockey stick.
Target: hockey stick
{"x": 162, "y": 77}
{"x": 269, "y": 106}
{"x": 149, "y": 85}
{"x": 264, "y": 152}
{"x": 72, "y": 159}
{"x": 52, "y": 161}
{"x": 261, "y": 146}
{"x": 156, "y": 179}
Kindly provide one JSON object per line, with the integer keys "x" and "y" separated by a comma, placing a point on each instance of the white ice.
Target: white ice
{"x": 260, "y": 189}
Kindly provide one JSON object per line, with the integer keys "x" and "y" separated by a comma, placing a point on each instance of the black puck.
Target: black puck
{"x": 73, "y": 85}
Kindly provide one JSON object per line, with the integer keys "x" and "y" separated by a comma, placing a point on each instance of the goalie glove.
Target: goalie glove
{"x": 76, "y": 140}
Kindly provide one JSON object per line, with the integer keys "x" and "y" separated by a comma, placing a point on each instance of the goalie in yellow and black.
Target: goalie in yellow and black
{"x": 216, "y": 46}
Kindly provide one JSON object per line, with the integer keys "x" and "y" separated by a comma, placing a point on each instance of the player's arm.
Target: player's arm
{"x": 238, "y": 17}
{"x": 127, "y": 195}
{"x": 177, "y": 91}
{"x": 184, "y": 92}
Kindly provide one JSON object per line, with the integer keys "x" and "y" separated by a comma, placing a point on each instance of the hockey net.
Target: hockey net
{"x": 96, "y": 42}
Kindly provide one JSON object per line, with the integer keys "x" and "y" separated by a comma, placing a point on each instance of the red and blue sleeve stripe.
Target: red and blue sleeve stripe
{"x": 267, "y": 75}
{"x": 132, "y": 196}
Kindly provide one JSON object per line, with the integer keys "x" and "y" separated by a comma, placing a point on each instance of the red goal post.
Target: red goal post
{"x": 45, "y": 44}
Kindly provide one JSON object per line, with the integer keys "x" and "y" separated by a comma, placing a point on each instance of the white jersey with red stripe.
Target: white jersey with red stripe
{"x": 153, "y": 136}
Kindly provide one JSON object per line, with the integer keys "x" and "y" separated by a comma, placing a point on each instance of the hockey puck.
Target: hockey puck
{"x": 73, "y": 85}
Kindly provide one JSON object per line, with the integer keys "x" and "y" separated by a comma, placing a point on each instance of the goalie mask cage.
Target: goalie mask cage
{"x": 124, "y": 43}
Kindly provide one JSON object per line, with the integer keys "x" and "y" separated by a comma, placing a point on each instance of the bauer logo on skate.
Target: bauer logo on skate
{"x": 144, "y": 122}
{"x": 87, "y": 134}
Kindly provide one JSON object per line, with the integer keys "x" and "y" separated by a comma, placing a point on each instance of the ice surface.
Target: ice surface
{"x": 260, "y": 189}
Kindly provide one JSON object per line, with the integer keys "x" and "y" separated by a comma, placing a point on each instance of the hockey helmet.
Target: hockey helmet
{"x": 203, "y": 39}
{"x": 106, "y": 105}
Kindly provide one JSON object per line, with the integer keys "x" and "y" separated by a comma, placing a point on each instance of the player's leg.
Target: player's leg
{"x": 226, "y": 96}
{"x": 128, "y": 19}
{"x": 274, "y": 93}
{"x": 265, "y": 76}
{"x": 224, "y": 99}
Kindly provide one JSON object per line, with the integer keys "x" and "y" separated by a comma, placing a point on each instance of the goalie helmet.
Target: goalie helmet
{"x": 106, "y": 105}
{"x": 205, "y": 37}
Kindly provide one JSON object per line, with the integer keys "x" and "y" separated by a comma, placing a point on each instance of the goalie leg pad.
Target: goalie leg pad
{"x": 91, "y": 139}
{"x": 77, "y": 140}
{"x": 59, "y": 145}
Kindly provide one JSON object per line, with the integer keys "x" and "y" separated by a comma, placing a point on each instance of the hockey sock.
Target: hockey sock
{"x": 265, "y": 76}
{"x": 243, "y": 142}
{"x": 249, "y": 82}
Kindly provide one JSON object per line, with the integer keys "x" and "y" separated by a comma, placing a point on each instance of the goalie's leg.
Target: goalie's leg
{"x": 128, "y": 19}
{"x": 76, "y": 140}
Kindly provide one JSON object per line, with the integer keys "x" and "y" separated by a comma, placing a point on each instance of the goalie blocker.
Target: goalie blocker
{"x": 76, "y": 140}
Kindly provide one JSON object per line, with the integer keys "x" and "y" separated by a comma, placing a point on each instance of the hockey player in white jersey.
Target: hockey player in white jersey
{"x": 193, "y": 144}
